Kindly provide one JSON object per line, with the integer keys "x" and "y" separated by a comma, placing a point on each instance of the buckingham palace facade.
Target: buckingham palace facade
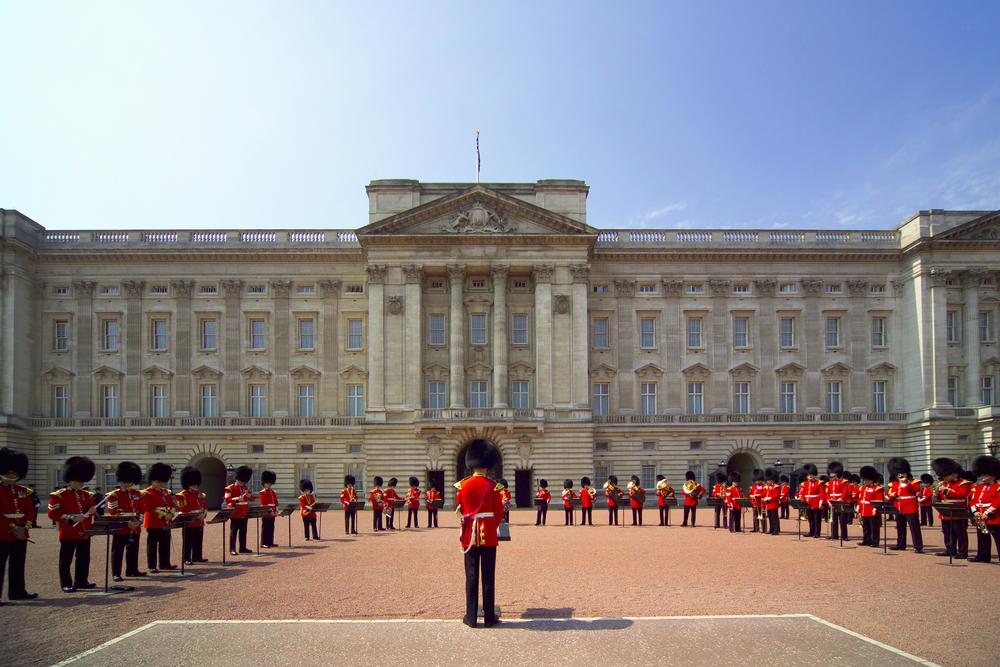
{"x": 494, "y": 310}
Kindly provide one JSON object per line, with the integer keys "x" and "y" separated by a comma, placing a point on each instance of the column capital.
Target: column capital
{"x": 580, "y": 273}
{"x": 939, "y": 276}
{"x": 376, "y": 273}
{"x": 456, "y": 272}
{"x": 499, "y": 273}
{"x": 625, "y": 287}
{"x": 134, "y": 288}
{"x": 811, "y": 286}
{"x": 183, "y": 288}
{"x": 671, "y": 286}
{"x": 720, "y": 287}
{"x": 281, "y": 287}
{"x": 765, "y": 286}
{"x": 329, "y": 288}
{"x": 543, "y": 273}
{"x": 232, "y": 287}
{"x": 413, "y": 274}
{"x": 972, "y": 275}
{"x": 84, "y": 287}
{"x": 857, "y": 287}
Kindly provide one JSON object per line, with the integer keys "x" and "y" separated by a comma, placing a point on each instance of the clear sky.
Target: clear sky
{"x": 698, "y": 114}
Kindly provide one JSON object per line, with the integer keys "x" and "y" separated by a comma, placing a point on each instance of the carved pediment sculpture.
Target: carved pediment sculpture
{"x": 671, "y": 286}
{"x": 765, "y": 287}
{"x": 744, "y": 371}
{"x": 812, "y": 286}
{"x": 479, "y": 219}
{"x": 255, "y": 372}
{"x": 602, "y": 372}
{"x": 649, "y": 372}
{"x": 697, "y": 371}
{"x": 791, "y": 370}
{"x": 206, "y": 373}
{"x": 836, "y": 370}
{"x": 304, "y": 373}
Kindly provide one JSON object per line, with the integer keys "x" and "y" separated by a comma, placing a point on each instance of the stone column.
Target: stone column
{"x": 814, "y": 342}
{"x": 581, "y": 365}
{"x": 329, "y": 397}
{"x": 456, "y": 339}
{"x": 82, "y": 399}
{"x": 970, "y": 334}
{"x": 233, "y": 345}
{"x": 282, "y": 346}
{"x": 376, "y": 343}
{"x": 675, "y": 334}
{"x": 767, "y": 343}
{"x": 624, "y": 297}
{"x": 859, "y": 342}
{"x": 133, "y": 347}
{"x": 39, "y": 400}
{"x": 499, "y": 273}
{"x": 543, "y": 334}
{"x": 939, "y": 336}
{"x": 183, "y": 344}
{"x": 720, "y": 347}
{"x": 413, "y": 274}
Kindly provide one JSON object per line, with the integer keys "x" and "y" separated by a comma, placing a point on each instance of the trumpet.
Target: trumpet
{"x": 980, "y": 520}
{"x": 607, "y": 485}
{"x": 592, "y": 491}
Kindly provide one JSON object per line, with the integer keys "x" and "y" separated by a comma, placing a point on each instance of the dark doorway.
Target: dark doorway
{"x": 435, "y": 479}
{"x": 743, "y": 463}
{"x": 213, "y": 480}
{"x": 522, "y": 488}
{"x": 462, "y": 472}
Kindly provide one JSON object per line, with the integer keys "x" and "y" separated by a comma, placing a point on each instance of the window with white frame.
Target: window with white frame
{"x": 478, "y": 394}
{"x": 878, "y": 396}
{"x": 647, "y": 288}
{"x": 60, "y": 401}
{"x": 741, "y": 288}
{"x": 879, "y": 443}
{"x": 208, "y": 289}
{"x": 435, "y": 329}
{"x": 109, "y": 335}
{"x": 647, "y": 333}
{"x": 647, "y": 398}
{"x": 741, "y": 398}
{"x": 519, "y": 329}
{"x": 306, "y": 400}
{"x": 601, "y": 289}
{"x": 61, "y": 290}
{"x": 208, "y": 400}
{"x": 477, "y": 329}
{"x": 788, "y": 288}
{"x": 354, "y": 335}
{"x": 109, "y": 400}
{"x": 209, "y": 333}
{"x": 519, "y": 394}
{"x": 833, "y": 395}
{"x": 787, "y": 331}
{"x": 110, "y": 290}
{"x": 696, "y": 398}
{"x": 833, "y": 288}
{"x": 436, "y": 395}
{"x": 600, "y": 329}
{"x": 833, "y": 332}
{"x": 787, "y": 397}
{"x": 257, "y": 289}
{"x": 600, "y": 393}
{"x": 355, "y": 400}
{"x": 257, "y": 400}
{"x": 354, "y": 289}
{"x": 647, "y": 476}
{"x": 306, "y": 333}
{"x": 60, "y": 335}
{"x": 258, "y": 339}
{"x": 953, "y": 390}
{"x": 951, "y": 326}
{"x": 159, "y": 401}
{"x": 876, "y": 288}
{"x": 986, "y": 326}
{"x": 307, "y": 288}
{"x": 694, "y": 328}
{"x": 986, "y": 395}
{"x": 741, "y": 332}
{"x": 695, "y": 288}
{"x": 878, "y": 332}
{"x": 158, "y": 334}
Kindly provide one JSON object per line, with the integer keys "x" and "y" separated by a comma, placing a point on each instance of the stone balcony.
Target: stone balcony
{"x": 193, "y": 422}
{"x": 756, "y": 418}
{"x": 748, "y": 238}
{"x": 187, "y": 239}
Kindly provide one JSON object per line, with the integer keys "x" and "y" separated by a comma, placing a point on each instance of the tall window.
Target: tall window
{"x": 878, "y": 396}
{"x": 519, "y": 330}
{"x": 647, "y": 333}
{"x": 159, "y": 401}
{"x": 601, "y": 333}
{"x": 478, "y": 394}
{"x": 435, "y": 328}
{"x": 647, "y": 476}
{"x": 953, "y": 391}
{"x": 109, "y": 335}
{"x": 787, "y": 397}
{"x": 435, "y": 395}
{"x": 985, "y": 326}
{"x": 208, "y": 400}
{"x": 60, "y": 335}
{"x": 833, "y": 397}
{"x": 647, "y": 396}
{"x": 354, "y": 336}
{"x": 741, "y": 398}
{"x": 694, "y": 332}
{"x": 209, "y": 334}
{"x": 833, "y": 332}
{"x": 600, "y": 394}
{"x": 307, "y": 333}
{"x": 258, "y": 400}
{"x": 696, "y": 398}
{"x": 987, "y": 392}
{"x": 951, "y": 326}
{"x": 109, "y": 400}
{"x": 60, "y": 401}
{"x": 257, "y": 341}
{"x": 741, "y": 332}
{"x": 477, "y": 326}
{"x": 519, "y": 394}
{"x": 601, "y": 472}
{"x": 787, "y": 331}
{"x": 878, "y": 332}
{"x": 307, "y": 400}
{"x": 355, "y": 400}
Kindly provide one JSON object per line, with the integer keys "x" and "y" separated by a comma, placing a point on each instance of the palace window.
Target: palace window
{"x": 787, "y": 332}
{"x": 986, "y": 395}
{"x": 787, "y": 397}
{"x": 355, "y": 289}
{"x": 209, "y": 330}
{"x": 647, "y": 288}
{"x": 647, "y": 398}
{"x": 109, "y": 335}
{"x": 694, "y": 326}
{"x": 833, "y": 332}
{"x": 741, "y": 288}
{"x": 306, "y": 333}
{"x": 110, "y": 290}
{"x": 600, "y": 391}
{"x": 878, "y": 396}
{"x": 741, "y": 398}
{"x": 953, "y": 390}
{"x": 478, "y": 394}
{"x": 519, "y": 394}
{"x": 788, "y": 288}
{"x": 519, "y": 330}
{"x": 305, "y": 288}
{"x": 647, "y": 475}
{"x": 986, "y": 326}
{"x": 355, "y": 400}
{"x": 159, "y": 401}
{"x": 354, "y": 335}
{"x": 61, "y": 290}
{"x": 600, "y": 328}
{"x": 834, "y": 288}
{"x": 951, "y": 326}
{"x": 109, "y": 400}
{"x": 60, "y": 401}
{"x": 257, "y": 400}
{"x": 647, "y": 333}
{"x": 436, "y": 395}
{"x": 695, "y": 288}
{"x": 257, "y": 289}
{"x": 876, "y": 288}
{"x": 741, "y": 332}
{"x": 257, "y": 334}
{"x": 601, "y": 289}
{"x": 878, "y": 332}
{"x": 60, "y": 335}
{"x": 208, "y": 400}
{"x": 833, "y": 396}
{"x": 435, "y": 328}
{"x": 307, "y": 400}
{"x": 158, "y": 334}
{"x": 208, "y": 289}
{"x": 477, "y": 327}
{"x": 696, "y": 398}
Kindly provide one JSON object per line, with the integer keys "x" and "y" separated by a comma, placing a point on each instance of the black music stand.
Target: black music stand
{"x": 397, "y": 504}
{"x": 801, "y": 506}
{"x": 437, "y": 503}
{"x": 885, "y": 509}
{"x": 840, "y": 508}
{"x": 321, "y": 508}
{"x": 668, "y": 502}
{"x": 256, "y": 512}
{"x": 355, "y": 507}
{"x": 286, "y": 512}
{"x": 106, "y": 525}
{"x": 182, "y": 521}
{"x": 714, "y": 501}
{"x": 222, "y": 516}
{"x": 744, "y": 504}
{"x": 955, "y": 512}
{"x": 573, "y": 504}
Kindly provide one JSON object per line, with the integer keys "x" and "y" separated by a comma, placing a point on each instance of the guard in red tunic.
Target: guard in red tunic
{"x": 636, "y": 498}
{"x": 74, "y": 509}
{"x": 719, "y": 492}
{"x": 869, "y": 492}
{"x": 391, "y": 497}
{"x": 126, "y": 502}
{"x": 348, "y": 495}
{"x": 377, "y": 499}
{"x": 953, "y": 491}
{"x": 17, "y": 512}
{"x": 505, "y": 496}
{"x": 432, "y": 514}
{"x": 160, "y": 507}
{"x": 926, "y": 500}
{"x": 838, "y": 489}
{"x": 192, "y": 500}
{"x": 904, "y": 494}
{"x": 306, "y": 503}
{"x": 237, "y": 498}
{"x": 985, "y": 504}
{"x": 663, "y": 491}
{"x": 756, "y": 488}
{"x": 480, "y": 507}
{"x": 786, "y": 492}
{"x": 587, "y": 493}
{"x": 268, "y": 500}
{"x": 733, "y": 495}
{"x": 568, "y": 494}
{"x": 770, "y": 500}
{"x": 692, "y": 492}
{"x": 612, "y": 493}
{"x": 542, "y": 493}
{"x": 813, "y": 494}
{"x": 413, "y": 503}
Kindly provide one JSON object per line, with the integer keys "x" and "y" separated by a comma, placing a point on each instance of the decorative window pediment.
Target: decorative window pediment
{"x": 790, "y": 370}
{"x": 255, "y": 372}
{"x": 206, "y": 373}
{"x": 520, "y": 371}
{"x": 478, "y": 371}
{"x": 354, "y": 373}
{"x": 649, "y": 372}
{"x": 155, "y": 372}
{"x": 836, "y": 370}
{"x": 107, "y": 373}
{"x": 744, "y": 371}
{"x": 436, "y": 372}
{"x": 602, "y": 372}
{"x": 57, "y": 373}
{"x": 884, "y": 369}
{"x": 305, "y": 373}
{"x": 698, "y": 371}
{"x": 992, "y": 362}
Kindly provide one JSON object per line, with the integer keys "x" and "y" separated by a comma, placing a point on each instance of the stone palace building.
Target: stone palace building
{"x": 494, "y": 310}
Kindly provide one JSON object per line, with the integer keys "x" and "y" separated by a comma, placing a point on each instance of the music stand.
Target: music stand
{"x": 287, "y": 511}
{"x": 397, "y": 504}
{"x": 840, "y": 508}
{"x": 714, "y": 501}
{"x": 321, "y": 508}
{"x": 801, "y": 506}
{"x": 256, "y": 512}
{"x": 182, "y": 521}
{"x": 744, "y": 503}
{"x": 105, "y": 525}
{"x": 885, "y": 509}
{"x": 222, "y": 516}
{"x": 955, "y": 512}
{"x": 437, "y": 503}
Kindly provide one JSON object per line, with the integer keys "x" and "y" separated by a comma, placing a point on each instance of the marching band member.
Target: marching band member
{"x": 926, "y": 500}
{"x": 637, "y": 497}
{"x": 237, "y": 498}
{"x": 73, "y": 509}
{"x": 663, "y": 491}
{"x": 985, "y": 504}
{"x": 719, "y": 491}
{"x": 191, "y": 499}
{"x": 158, "y": 504}
{"x": 505, "y": 497}
{"x": 903, "y": 492}
{"x": 953, "y": 490}
{"x": 126, "y": 501}
{"x": 733, "y": 494}
{"x": 813, "y": 494}
{"x": 770, "y": 500}
{"x": 587, "y": 494}
{"x": 390, "y": 497}
{"x": 756, "y": 488}
{"x": 786, "y": 491}
{"x": 692, "y": 491}
{"x": 869, "y": 492}
{"x": 377, "y": 499}
{"x": 543, "y": 494}
{"x": 612, "y": 493}
{"x": 16, "y": 513}
{"x": 413, "y": 503}
{"x": 838, "y": 489}
{"x": 347, "y": 496}
{"x": 568, "y": 495}
{"x": 269, "y": 499}
{"x": 432, "y": 514}
{"x": 306, "y": 502}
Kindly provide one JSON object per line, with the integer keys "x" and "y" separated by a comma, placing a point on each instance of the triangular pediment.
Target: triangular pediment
{"x": 883, "y": 368}
{"x": 157, "y": 371}
{"x": 255, "y": 371}
{"x": 107, "y": 372}
{"x": 697, "y": 370}
{"x": 790, "y": 369}
{"x": 58, "y": 373}
{"x": 603, "y": 372}
{"x": 304, "y": 372}
{"x": 984, "y": 228}
{"x": 648, "y": 370}
{"x": 204, "y": 371}
{"x": 745, "y": 368}
{"x": 476, "y": 211}
{"x": 836, "y": 368}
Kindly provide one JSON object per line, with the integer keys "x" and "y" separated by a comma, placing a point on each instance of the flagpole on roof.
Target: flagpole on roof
{"x": 477, "y": 156}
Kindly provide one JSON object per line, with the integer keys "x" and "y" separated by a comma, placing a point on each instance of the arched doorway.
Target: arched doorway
{"x": 462, "y": 472}
{"x": 213, "y": 479}
{"x": 743, "y": 463}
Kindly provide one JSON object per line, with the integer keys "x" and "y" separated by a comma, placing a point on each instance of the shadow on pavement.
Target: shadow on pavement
{"x": 547, "y": 613}
{"x": 559, "y": 625}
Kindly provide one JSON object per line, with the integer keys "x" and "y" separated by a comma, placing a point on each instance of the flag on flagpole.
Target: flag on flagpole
{"x": 478, "y": 163}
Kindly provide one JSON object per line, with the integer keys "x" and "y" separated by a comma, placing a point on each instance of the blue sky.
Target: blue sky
{"x": 707, "y": 114}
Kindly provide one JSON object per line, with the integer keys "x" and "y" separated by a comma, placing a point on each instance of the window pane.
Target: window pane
{"x": 648, "y": 476}
{"x": 878, "y": 332}
{"x": 208, "y": 400}
{"x": 257, "y": 334}
{"x": 478, "y": 329}
{"x": 741, "y": 398}
{"x": 787, "y": 332}
{"x": 878, "y": 396}
{"x": 600, "y": 392}
{"x": 110, "y": 339}
{"x": 601, "y": 333}
{"x": 647, "y": 391}
{"x": 696, "y": 396}
{"x": 519, "y": 394}
{"x": 833, "y": 397}
{"x": 209, "y": 329}
{"x": 158, "y": 334}
{"x": 258, "y": 405}
{"x": 307, "y": 400}
{"x": 788, "y": 397}
{"x": 832, "y": 332}
{"x": 694, "y": 332}
{"x": 435, "y": 395}
{"x": 647, "y": 328}
{"x": 60, "y": 333}
{"x": 437, "y": 329}
{"x": 519, "y": 334}
{"x": 477, "y": 394}
{"x": 354, "y": 339}
{"x": 307, "y": 336}
{"x": 158, "y": 400}
{"x": 355, "y": 400}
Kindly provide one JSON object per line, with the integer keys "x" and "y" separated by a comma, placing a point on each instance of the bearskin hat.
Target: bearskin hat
{"x": 897, "y": 466}
{"x": 659, "y": 477}
{"x": 502, "y": 482}
{"x": 689, "y": 475}
{"x": 810, "y": 469}
{"x": 159, "y": 472}
{"x": 584, "y": 481}
{"x": 190, "y": 476}
{"x": 783, "y": 479}
{"x": 348, "y": 481}
{"x": 758, "y": 475}
{"x": 855, "y": 478}
{"x": 377, "y": 481}
{"x": 613, "y": 479}
{"x": 771, "y": 475}
{"x": 11, "y": 459}
{"x": 567, "y": 484}
{"x": 835, "y": 468}
{"x": 78, "y": 469}
{"x": 720, "y": 477}
{"x": 824, "y": 478}
{"x": 734, "y": 477}
{"x": 986, "y": 465}
{"x": 634, "y": 478}
{"x": 968, "y": 476}
{"x": 415, "y": 482}
{"x": 128, "y": 472}
{"x": 268, "y": 477}
{"x": 944, "y": 466}
{"x": 306, "y": 485}
{"x": 869, "y": 473}
{"x": 244, "y": 474}
{"x": 544, "y": 483}
{"x": 481, "y": 454}
{"x": 926, "y": 478}
{"x": 393, "y": 481}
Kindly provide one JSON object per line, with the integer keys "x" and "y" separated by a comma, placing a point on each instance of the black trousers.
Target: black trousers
{"x": 983, "y": 551}
{"x": 586, "y": 516}
{"x": 67, "y": 550}
{"x": 784, "y": 510}
{"x": 721, "y": 516}
{"x": 815, "y": 522}
{"x": 636, "y": 513}
{"x": 480, "y": 560}
{"x": 956, "y": 539}
{"x": 755, "y": 511}
{"x": 902, "y": 520}
{"x": 377, "y": 519}
{"x": 125, "y": 547}
{"x": 568, "y": 518}
{"x": 735, "y": 521}
{"x": 693, "y": 511}
{"x": 238, "y": 530}
{"x": 413, "y": 514}
{"x": 309, "y": 522}
{"x": 267, "y": 532}
{"x": 158, "y": 544}
{"x": 432, "y": 515}
{"x": 926, "y": 516}
{"x": 543, "y": 512}
{"x": 871, "y": 526}
{"x": 612, "y": 515}
{"x": 838, "y": 525}
{"x": 194, "y": 539}
{"x": 773, "y": 523}
{"x": 350, "y": 523}
{"x": 12, "y": 558}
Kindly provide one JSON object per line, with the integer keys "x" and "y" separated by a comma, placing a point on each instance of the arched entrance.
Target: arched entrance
{"x": 743, "y": 463}
{"x": 213, "y": 479}
{"x": 462, "y": 472}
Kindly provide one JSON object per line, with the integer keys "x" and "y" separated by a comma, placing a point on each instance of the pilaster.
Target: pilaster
{"x": 581, "y": 371}
{"x": 82, "y": 391}
{"x": 413, "y": 276}
{"x": 375, "y": 409}
{"x": 282, "y": 346}
{"x": 329, "y": 399}
{"x": 499, "y": 274}
{"x": 970, "y": 336}
{"x": 232, "y": 347}
{"x": 456, "y": 339}
{"x": 543, "y": 274}
{"x": 183, "y": 342}
{"x": 133, "y": 347}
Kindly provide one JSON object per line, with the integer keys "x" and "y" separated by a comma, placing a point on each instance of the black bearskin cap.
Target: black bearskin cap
{"x": 544, "y": 483}
{"x": 244, "y": 474}
{"x": 689, "y": 475}
{"x": 393, "y": 481}
{"x": 613, "y": 479}
{"x": 414, "y": 481}
{"x": 897, "y": 466}
{"x": 190, "y": 476}
{"x": 634, "y": 478}
{"x": 758, "y": 475}
{"x": 584, "y": 481}
{"x": 503, "y": 483}
{"x": 481, "y": 454}
{"x": 783, "y": 479}
{"x": 348, "y": 481}
{"x": 159, "y": 472}
{"x": 835, "y": 468}
{"x": 824, "y": 478}
{"x": 855, "y": 478}
{"x": 944, "y": 466}
{"x": 720, "y": 477}
{"x": 968, "y": 476}
{"x": 926, "y": 478}
{"x": 869, "y": 473}
{"x": 659, "y": 477}
{"x": 378, "y": 480}
{"x": 268, "y": 477}
{"x": 568, "y": 484}
{"x": 771, "y": 475}
{"x": 986, "y": 465}
{"x": 810, "y": 469}
{"x": 78, "y": 469}
{"x": 11, "y": 459}
{"x": 735, "y": 477}
{"x": 128, "y": 472}
{"x": 306, "y": 485}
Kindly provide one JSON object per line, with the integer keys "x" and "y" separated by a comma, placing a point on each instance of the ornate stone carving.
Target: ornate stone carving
{"x": 479, "y": 219}
{"x": 562, "y": 303}
{"x": 84, "y": 287}
{"x": 525, "y": 449}
{"x": 376, "y": 273}
{"x": 720, "y": 287}
{"x": 811, "y": 286}
{"x": 413, "y": 274}
{"x": 281, "y": 288}
{"x": 499, "y": 273}
{"x": 972, "y": 275}
{"x": 184, "y": 288}
{"x": 624, "y": 287}
{"x": 543, "y": 273}
{"x": 395, "y": 305}
{"x": 765, "y": 287}
{"x": 649, "y": 372}
{"x": 744, "y": 372}
{"x": 134, "y": 288}
{"x": 836, "y": 370}
{"x": 456, "y": 273}
{"x": 434, "y": 450}
{"x": 790, "y": 370}
{"x": 330, "y": 288}
{"x": 672, "y": 287}
{"x": 255, "y": 372}
{"x": 603, "y": 372}
{"x": 232, "y": 288}
{"x": 697, "y": 371}
{"x": 857, "y": 287}
{"x": 580, "y": 273}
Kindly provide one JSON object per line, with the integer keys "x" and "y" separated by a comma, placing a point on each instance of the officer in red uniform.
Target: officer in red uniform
{"x": 542, "y": 493}
{"x": 268, "y": 499}
{"x": 377, "y": 498}
{"x": 786, "y": 491}
{"x": 838, "y": 489}
{"x": 480, "y": 507}
{"x": 505, "y": 496}
{"x": 347, "y": 496}
{"x": 568, "y": 494}
{"x": 587, "y": 493}
{"x": 306, "y": 503}
{"x": 953, "y": 491}
{"x": 390, "y": 498}
{"x": 904, "y": 494}
{"x": 756, "y": 489}
{"x": 237, "y": 498}
{"x": 733, "y": 494}
{"x": 770, "y": 500}
{"x": 926, "y": 500}
{"x": 189, "y": 500}
{"x": 413, "y": 503}
{"x": 869, "y": 492}
{"x": 612, "y": 493}
{"x": 125, "y": 502}
{"x": 692, "y": 492}
{"x": 74, "y": 509}
{"x": 160, "y": 508}
{"x": 17, "y": 512}
{"x": 985, "y": 505}
{"x": 636, "y": 498}
{"x": 719, "y": 491}
{"x": 432, "y": 514}
{"x": 813, "y": 494}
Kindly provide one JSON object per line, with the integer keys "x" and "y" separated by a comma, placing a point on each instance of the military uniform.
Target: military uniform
{"x": 868, "y": 493}
{"x": 479, "y": 503}
{"x": 377, "y": 499}
{"x": 306, "y": 502}
{"x": 432, "y": 513}
{"x": 160, "y": 507}
{"x": 956, "y": 494}
{"x": 926, "y": 500}
{"x": 237, "y": 498}
{"x": 269, "y": 499}
{"x": 732, "y": 497}
{"x": 586, "y": 502}
{"x": 542, "y": 494}
{"x": 347, "y": 496}
{"x": 719, "y": 492}
{"x": 190, "y": 500}
{"x": 770, "y": 500}
{"x": 904, "y": 494}
{"x": 126, "y": 503}
{"x": 413, "y": 503}
{"x": 73, "y": 510}
{"x": 17, "y": 512}
{"x": 389, "y": 498}
{"x": 813, "y": 493}
{"x": 691, "y": 496}
{"x": 984, "y": 501}
{"x": 612, "y": 493}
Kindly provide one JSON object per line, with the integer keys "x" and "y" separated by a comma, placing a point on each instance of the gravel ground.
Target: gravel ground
{"x": 555, "y": 571}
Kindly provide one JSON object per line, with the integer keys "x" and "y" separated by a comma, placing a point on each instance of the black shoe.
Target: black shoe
{"x": 354, "y": 532}
{"x": 153, "y": 570}
{"x": 117, "y": 577}
{"x": 201, "y": 560}
{"x": 169, "y": 567}
{"x": 897, "y": 548}
{"x": 232, "y": 553}
{"x": 246, "y": 551}
{"x": 24, "y": 596}
{"x": 69, "y": 589}
{"x": 471, "y": 624}
{"x": 918, "y": 551}
{"x": 490, "y": 623}
{"x": 962, "y": 556}
{"x": 86, "y": 586}
{"x": 308, "y": 539}
{"x": 188, "y": 562}
{"x": 265, "y": 546}
{"x": 135, "y": 574}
